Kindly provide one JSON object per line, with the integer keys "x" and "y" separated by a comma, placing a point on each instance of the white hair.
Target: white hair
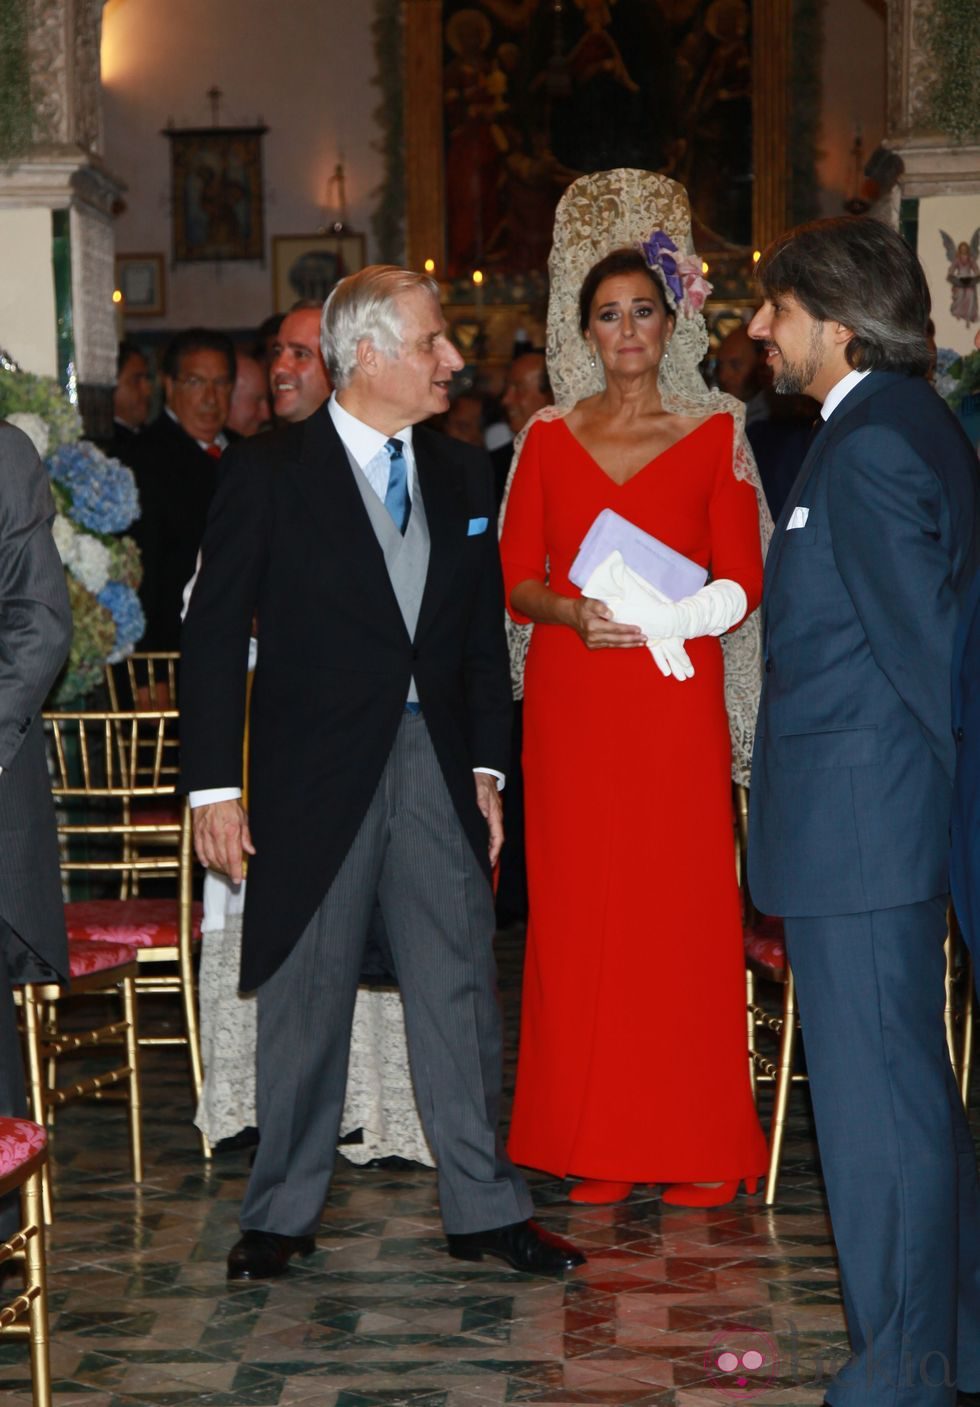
{"x": 365, "y": 305}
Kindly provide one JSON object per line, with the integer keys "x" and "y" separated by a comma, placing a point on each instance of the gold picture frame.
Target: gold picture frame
{"x": 140, "y": 280}
{"x": 308, "y": 266}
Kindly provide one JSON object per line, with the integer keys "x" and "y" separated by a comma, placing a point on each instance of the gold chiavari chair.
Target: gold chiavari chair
{"x": 100, "y": 970}
{"x": 766, "y": 961}
{"x": 143, "y": 680}
{"x": 23, "y": 1154}
{"x": 959, "y": 1005}
{"x": 147, "y": 681}
{"x": 107, "y": 766}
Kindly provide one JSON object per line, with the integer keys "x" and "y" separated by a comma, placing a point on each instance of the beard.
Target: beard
{"x": 795, "y": 377}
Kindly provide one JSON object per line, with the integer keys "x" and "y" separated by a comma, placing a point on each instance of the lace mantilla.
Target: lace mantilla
{"x": 599, "y": 213}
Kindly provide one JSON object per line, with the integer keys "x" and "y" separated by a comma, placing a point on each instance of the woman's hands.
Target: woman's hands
{"x": 593, "y": 622}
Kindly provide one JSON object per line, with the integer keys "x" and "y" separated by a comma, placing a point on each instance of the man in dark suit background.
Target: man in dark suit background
{"x": 175, "y": 461}
{"x": 379, "y": 735}
{"x": 131, "y": 398}
{"x": 851, "y": 788}
{"x": 35, "y": 632}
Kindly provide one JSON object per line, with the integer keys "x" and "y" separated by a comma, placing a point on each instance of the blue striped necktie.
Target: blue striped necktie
{"x": 397, "y": 501}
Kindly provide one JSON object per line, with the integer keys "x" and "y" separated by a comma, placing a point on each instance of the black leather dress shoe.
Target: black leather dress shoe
{"x": 247, "y": 1137}
{"x": 260, "y": 1255}
{"x": 967, "y": 1399}
{"x": 523, "y": 1245}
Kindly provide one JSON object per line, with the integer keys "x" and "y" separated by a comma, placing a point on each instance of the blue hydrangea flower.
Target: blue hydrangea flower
{"x": 102, "y": 491}
{"x": 123, "y": 605}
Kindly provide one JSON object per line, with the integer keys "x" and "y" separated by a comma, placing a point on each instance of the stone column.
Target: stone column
{"x": 934, "y": 163}
{"x": 56, "y": 204}
{"x": 940, "y": 186}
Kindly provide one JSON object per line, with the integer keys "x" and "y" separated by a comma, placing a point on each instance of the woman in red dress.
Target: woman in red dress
{"x": 633, "y": 1064}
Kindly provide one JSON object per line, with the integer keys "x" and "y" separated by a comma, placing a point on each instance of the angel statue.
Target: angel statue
{"x": 964, "y": 275}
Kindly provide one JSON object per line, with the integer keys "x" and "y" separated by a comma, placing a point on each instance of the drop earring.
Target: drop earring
{"x": 592, "y": 360}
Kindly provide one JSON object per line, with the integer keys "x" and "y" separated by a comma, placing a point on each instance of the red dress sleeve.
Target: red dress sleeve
{"x": 522, "y": 543}
{"x": 736, "y": 548}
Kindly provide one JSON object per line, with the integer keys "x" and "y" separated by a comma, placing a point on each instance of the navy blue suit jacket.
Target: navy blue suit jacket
{"x": 964, "y": 866}
{"x": 853, "y": 767}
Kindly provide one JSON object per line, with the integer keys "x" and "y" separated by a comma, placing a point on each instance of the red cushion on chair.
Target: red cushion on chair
{"x": 156, "y": 814}
{"x": 19, "y": 1141}
{"x": 143, "y": 923}
{"x": 765, "y": 944}
{"x": 88, "y": 958}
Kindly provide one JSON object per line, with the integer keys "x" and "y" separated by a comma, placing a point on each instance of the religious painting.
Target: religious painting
{"x": 308, "y": 266}
{"x": 216, "y": 182}
{"x": 536, "y": 93}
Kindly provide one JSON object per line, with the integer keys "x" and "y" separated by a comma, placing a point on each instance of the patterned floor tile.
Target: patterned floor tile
{"x": 142, "y": 1315}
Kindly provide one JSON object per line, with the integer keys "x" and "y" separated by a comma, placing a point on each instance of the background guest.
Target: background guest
{"x": 131, "y": 398}
{"x": 298, "y": 374}
{"x": 249, "y": 411}
{"x": 740, "y": 371}
{"x": 175, "y": 463}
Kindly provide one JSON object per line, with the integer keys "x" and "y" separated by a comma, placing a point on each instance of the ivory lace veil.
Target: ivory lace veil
{"x": 599, "y": 213}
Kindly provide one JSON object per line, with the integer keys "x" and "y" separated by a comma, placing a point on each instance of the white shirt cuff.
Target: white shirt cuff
{"x": 213, "y": 794}
{"x": 492, "y": 772}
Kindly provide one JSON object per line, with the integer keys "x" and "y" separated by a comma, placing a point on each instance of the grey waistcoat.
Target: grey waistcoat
{"x": 407, "y": 558}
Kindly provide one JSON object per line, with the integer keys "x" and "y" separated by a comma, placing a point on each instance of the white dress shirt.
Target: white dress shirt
{"x": 843, "y": 388}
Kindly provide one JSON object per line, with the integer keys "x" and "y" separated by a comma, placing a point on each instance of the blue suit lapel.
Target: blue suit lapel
{"x": 827, "y": 432}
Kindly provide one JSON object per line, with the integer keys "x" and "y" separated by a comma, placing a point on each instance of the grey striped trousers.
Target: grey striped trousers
{"x": 411, "y": 853}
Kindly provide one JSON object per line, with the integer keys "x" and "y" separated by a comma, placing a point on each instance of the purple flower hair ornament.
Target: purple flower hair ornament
{"x": 680, "y": 274}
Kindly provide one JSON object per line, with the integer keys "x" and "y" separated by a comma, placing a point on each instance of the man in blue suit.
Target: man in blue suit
{"x": 851, "y": 789}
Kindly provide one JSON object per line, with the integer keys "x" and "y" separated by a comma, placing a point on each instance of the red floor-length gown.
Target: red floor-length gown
{"x": 633, "y": 1063}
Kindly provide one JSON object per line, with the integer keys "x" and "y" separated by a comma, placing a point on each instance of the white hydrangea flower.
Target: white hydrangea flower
{"x": 33, "y": 427}
{"x": 91, "y": 563}
{"x": 64, "y": 539}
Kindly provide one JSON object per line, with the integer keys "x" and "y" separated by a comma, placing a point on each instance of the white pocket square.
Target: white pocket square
{"x": 798, "y": 517}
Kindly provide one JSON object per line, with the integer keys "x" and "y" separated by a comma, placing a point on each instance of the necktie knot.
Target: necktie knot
{"x": 213, "y": 452}
{"x": 397, "y": 501}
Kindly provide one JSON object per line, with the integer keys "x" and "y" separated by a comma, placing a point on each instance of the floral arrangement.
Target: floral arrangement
{"x": 957, "y": 376}
{"x": 680, "y": 274}
{"x": 96, "y": 501}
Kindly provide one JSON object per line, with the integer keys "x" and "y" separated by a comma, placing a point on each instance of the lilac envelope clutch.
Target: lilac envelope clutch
{"x": 669, "y": 571}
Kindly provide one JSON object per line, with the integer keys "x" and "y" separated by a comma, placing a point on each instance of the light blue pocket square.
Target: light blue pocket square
{"x": 476, "y": 526}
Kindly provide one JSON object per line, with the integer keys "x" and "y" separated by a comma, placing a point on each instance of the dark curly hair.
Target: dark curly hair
{"x": 858, "y": 272}
{"x": 621, "y": 261}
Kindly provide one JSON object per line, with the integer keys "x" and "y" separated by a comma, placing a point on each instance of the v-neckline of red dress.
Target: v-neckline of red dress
{"x": 644, "y": 467}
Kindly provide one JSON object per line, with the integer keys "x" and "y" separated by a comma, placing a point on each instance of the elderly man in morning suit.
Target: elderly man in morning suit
{"x": 379, "y": 732}
{"x": 851, "y": 792}
{"x": 35, "y": 632}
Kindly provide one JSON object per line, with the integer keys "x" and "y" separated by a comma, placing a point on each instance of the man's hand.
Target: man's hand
{"x": 488, "y": 800}
{"x": 222, "y": 837}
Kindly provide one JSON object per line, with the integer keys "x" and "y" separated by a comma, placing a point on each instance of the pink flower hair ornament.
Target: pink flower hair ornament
{"x": 680, "y": 275}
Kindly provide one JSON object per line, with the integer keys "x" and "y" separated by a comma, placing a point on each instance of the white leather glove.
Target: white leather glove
{"x": 628, "y": 596}
{"x": 710, "y": 611}
{"x": 671, "y": 658}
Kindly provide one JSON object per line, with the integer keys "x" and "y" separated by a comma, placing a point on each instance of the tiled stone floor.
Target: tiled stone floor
{"x": 142, "y": 1314}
